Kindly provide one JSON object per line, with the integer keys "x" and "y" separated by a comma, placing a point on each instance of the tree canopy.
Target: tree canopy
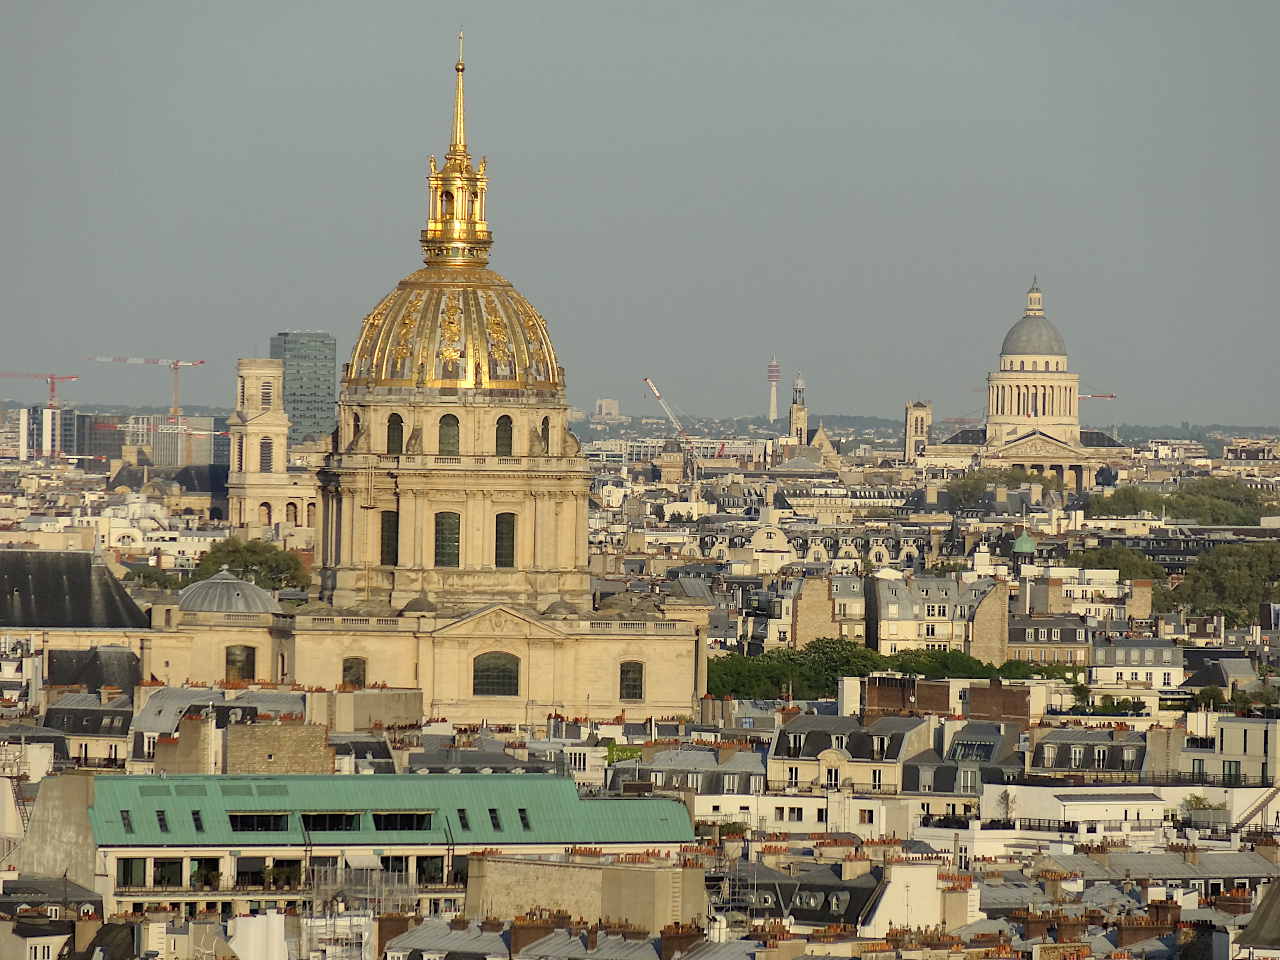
{"x": 1211, "y": 500}
{"x": 257, "y": 561}
{"x": 1233, "y": 580}
{"x": 812, "y": 671}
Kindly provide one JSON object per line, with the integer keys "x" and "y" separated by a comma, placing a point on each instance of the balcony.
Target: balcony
{"x": 1177, "y": 778}
{"x": 820, "y": 788}
{"x": 946, "y": 821}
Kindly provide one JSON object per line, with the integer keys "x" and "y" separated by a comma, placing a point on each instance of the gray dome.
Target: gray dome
{"x": 1034, "y": 334}
{"x": 419, "y": 604}
{"x": 224, "y": 593}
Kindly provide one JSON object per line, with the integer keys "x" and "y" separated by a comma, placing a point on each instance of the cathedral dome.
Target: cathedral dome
{"x": 446, "y": 327}
{"x": 456, "y": 325}
{"x": 1034, "y": 334}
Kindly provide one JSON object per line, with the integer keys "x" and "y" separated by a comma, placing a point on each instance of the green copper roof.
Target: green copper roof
{"x": 552, "y": 808}
{"x": 1024, "y": 544}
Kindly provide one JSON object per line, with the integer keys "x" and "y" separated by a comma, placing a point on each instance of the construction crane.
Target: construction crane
{"x": 666, "y": 408}
{"x": 52, "y": 379}
{"x": 1096, "y": 396}
{"x": 175, "y": 368}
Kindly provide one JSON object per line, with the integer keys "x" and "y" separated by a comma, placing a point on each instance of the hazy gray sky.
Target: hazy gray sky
{"x": 681, "y": 188}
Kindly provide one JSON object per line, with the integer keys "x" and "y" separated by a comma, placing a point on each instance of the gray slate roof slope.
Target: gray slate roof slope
{"x": 436, "y": 936}
{"x": 226, "y": 593}
{"x": 63, "y": 589}
{"x": 1264, "y": 929}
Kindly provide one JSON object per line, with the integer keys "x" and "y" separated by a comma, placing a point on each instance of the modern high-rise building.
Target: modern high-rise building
{"x": 310, "y": 381}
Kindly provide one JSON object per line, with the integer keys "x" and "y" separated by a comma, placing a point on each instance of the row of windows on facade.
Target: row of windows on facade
{"x": 493, "y": 674}
{"x": 1128, "y": 756}
{"x": 448, "y": 442}
{"x": 251, "y": 871}
{"x": 448, "y": 539}
{"x": 396, "y": 821}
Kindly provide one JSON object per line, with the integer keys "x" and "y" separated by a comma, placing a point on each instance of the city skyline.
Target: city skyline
{"x": 888, "y": 275}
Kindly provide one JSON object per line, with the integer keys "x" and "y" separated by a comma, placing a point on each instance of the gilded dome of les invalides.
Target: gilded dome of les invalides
{"x": 455, "y": 325}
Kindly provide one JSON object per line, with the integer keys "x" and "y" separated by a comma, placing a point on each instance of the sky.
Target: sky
{"x": 683, "y": 190}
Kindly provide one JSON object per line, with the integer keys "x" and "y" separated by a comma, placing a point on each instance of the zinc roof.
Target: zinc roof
{"x": 555, "y": 812}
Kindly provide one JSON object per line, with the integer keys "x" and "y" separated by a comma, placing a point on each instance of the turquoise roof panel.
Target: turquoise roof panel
{"x": 126, "y": 811}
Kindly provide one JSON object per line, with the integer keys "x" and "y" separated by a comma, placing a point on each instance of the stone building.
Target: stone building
{"x": 452, "y": 526}
{"x": 961, "y": 612}
{"x": 262, "y": 489}
{"x": 1032, "y": 412}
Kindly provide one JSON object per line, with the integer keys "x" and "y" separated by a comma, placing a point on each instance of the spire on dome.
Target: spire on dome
{"x": 458, "y": 143}
{"x": 457, "y": 232}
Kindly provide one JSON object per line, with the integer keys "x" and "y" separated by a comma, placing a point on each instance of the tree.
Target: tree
{"x": 151, "y": 577}
{"x": 1210, "y": 500}
{"x": 1131, "y": 564}
{"x": 1081, "y": 693}
{"x": 1210, "y": 697}
{"x": 1233, "y": 581}
{"x": 1266, "y": 695}
{"x": 257, "y": 561}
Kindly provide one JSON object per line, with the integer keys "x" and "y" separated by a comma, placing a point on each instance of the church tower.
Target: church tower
{"x": 454, "y": 476}
{"x": 917, "y": 425}
{"x": 258, "y": 484}
{"x": 799, "y": 418}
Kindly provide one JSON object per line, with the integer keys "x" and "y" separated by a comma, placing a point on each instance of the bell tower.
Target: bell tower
{"x": 799, "y": 417}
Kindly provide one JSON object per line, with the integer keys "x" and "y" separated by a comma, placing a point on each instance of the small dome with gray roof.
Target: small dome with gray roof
{"x": 226, "y": 593}
{"x": 1034, "y": 334}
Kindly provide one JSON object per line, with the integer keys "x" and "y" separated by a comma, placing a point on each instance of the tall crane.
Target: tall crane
{"x": 51, "y": 379}
{"x": 666, "y": 408}
{"x": 175, "y": 368}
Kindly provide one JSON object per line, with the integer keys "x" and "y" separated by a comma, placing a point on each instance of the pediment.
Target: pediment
{"x": 499, "y": 620}
{"x": 1035, "y": 444}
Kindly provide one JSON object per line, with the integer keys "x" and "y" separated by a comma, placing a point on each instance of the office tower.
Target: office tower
{"x": 310, "y": 381}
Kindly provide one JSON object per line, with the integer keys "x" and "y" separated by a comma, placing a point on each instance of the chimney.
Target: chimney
{"x": 528, "y": 929}
{"x": 931, "y": 494}
{"x": 851, "y": 867}
{"x": 678, "y": 939}
{"x": 593, "y": 936}
{"x": 459, "y": 923}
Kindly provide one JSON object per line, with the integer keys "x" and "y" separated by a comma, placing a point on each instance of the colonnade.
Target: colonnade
{"x": 1032, "y": 400}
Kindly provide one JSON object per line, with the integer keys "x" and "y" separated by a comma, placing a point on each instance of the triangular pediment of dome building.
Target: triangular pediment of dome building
{"x": 499, "y": 620}
{"x": 1035, "y": 444}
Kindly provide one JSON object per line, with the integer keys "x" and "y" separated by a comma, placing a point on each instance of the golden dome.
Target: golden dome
{"x": 455, "y": 325}
{"x": 446, "y": 327}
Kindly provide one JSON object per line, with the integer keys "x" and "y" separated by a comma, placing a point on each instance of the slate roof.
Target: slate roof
{"x": 106, "y": 666}
{"x": 1264, "y": 929}
{"x": 436, "y": 936}
{"x": 63, "y": 589}
{"x": 555, "y": 812}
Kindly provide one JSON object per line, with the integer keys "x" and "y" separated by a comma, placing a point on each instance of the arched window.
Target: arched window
{"x": 631, "y": 681}
{"x": 267, "y": 394}
{"x": 504, "y": 540}
{"x": 495, "y": 675}
{"x": 389, "y": 553}
{"x": 291, "y": 513}
{"x": 448, "y": 540}
{"x": 264, "y": 514}
{"x": 311, "y": 515}
{"x": 448, "y": 445}
{"x": 1022, "y": 364}
{"x": 395, "y": 434}
{"x": 353, "y": 671}
{"x": 502, "y": 436}
{"x": 446, "y": 205}
{"x": 265, "y": 455}
{"x": 355, "y": 425}
{"x": 546, "y": 435}
{"x": 241, "y": 663}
